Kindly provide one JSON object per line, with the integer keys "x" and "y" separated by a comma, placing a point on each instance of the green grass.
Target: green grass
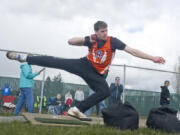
{"x": 6, "y": 113}
{"x": 18, "y": 128}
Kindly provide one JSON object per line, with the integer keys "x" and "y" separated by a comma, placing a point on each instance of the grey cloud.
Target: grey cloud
{"x": 43, "y": 26}
{"x": 113, "y": 11}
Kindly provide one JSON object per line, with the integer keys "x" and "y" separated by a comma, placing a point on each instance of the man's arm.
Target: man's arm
{"x": 168, "y": 95}
{"x": 82, "y": 95}
{"x": 79, "y": 41}
{"x": 54, "y": 102}
{"x": 121, "y": 88}
{"x": 27, "y": 71}
{"x": 111, "y": 87}
{"x": 75, "y": 97}
{"x": 139, "y": 54}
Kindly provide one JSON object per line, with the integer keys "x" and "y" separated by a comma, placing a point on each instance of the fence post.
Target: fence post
{"x": 42, "y": 88}
{"x": 124, "y": 83}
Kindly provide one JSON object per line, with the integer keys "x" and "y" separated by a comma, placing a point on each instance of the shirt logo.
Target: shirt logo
{"x": 98, "y": 54}
{"x": 6, "y": 90}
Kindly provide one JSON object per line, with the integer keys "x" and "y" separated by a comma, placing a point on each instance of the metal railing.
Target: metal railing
{"x": 113, "y": 65}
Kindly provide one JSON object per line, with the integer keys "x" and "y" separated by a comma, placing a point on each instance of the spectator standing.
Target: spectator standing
{"x": 116, "y": 90}
{"x": 165, "y": 94}
{"x": 79, "y": 95}
{"x": 26, "y": 85}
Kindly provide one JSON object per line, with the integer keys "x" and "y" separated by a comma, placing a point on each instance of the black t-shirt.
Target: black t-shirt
{"x": 115, "y": 43}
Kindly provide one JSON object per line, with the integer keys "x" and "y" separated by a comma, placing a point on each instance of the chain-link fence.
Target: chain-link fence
{"x": 142, "y": 85}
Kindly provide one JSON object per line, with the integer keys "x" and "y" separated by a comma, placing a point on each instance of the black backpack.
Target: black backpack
{"x": 123, "y": 116}
{"x": 164, "y": 118}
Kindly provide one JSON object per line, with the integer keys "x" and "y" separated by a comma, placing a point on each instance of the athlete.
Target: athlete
{"x": 93, "y": 68}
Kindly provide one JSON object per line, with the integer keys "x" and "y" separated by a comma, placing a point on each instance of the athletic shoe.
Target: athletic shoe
{"x": 14, "y": 56}
{"x": 74, "y": 112}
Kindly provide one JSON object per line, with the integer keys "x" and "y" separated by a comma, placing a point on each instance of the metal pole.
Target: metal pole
{"x": 42, "y": 88}
{"x": 159, "y": 70}
{"x": 4, "y": 50}
{"x": 124, "y": 83}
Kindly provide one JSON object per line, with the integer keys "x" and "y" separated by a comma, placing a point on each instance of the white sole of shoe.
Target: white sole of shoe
{"x": 75, "y": 115}
{"x": 79, "y": 118}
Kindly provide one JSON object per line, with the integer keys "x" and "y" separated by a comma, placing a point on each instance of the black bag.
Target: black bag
{"x": 164, "y": 118}
{"x": 123, "y": 116}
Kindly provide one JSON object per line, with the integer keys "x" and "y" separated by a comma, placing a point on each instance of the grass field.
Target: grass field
{"x": 18, "y": 128}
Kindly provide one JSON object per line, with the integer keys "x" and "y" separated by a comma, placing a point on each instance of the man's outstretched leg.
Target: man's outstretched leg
{"x": 75, "y": 66}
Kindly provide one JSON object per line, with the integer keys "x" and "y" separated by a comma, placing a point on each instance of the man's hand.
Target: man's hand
{"x": 93, "y": 38}
{"x": 158, "y": 59}
{"x": 41, "y": 70}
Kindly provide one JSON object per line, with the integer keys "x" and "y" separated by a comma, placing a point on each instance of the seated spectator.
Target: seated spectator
{"x": 67, "y": 105}
{"x": 68, "y": 96}
{"x": 56, "y": 106}
{"x": 8, "y": 102}
{"x": 68, "y": 102}
{"x": 6, "y": 90}
{"x": 7, "y": 99}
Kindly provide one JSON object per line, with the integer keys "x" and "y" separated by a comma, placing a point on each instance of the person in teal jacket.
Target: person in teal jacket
{"x": 26, "y": 85}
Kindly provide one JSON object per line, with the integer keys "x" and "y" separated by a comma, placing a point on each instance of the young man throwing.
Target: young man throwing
{"x": 93, "y": 68}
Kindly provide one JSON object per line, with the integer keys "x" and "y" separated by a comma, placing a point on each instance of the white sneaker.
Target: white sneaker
{"x": 71, "y": 112}
{"x": 74, "y": 112}
{"x": 15, "y": 56}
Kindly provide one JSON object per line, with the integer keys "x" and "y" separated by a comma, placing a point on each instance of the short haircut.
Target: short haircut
{"x": 166, "y": 82}
{"x": 100, "y": 24}
{"x": 117, "y": 77}
{"x": 58, "y": 94}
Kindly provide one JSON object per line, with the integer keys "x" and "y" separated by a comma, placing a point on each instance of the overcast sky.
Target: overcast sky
{"x": 44, "y": 26}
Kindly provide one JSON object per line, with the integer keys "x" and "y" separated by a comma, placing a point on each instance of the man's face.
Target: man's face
{"x": 117, "y": 80}
{"x": 102, "y": 33}
{"x": 167, "y": 84}
{"x": 58, "y": 96}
